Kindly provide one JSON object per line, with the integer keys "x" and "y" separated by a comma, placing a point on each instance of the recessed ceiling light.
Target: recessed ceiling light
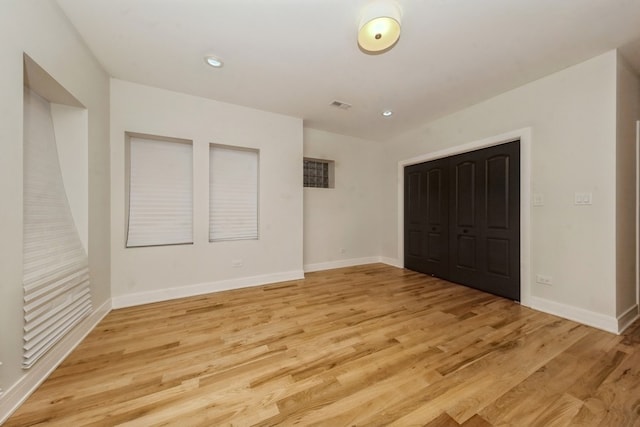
{"x": 213, "y": 61}
{"x": 387, "y": 113}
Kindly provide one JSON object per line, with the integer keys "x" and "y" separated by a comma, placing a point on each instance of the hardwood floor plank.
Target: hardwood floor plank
{"x": 542, "y": 388}
{"x": 366, "y": 345}
{"x": 559, "y": 412}
{"x": 464, "y": 392}
{"x": 476, "y": 421}
{"x": 620, "y": 392}
{"x": 443, "y": 420}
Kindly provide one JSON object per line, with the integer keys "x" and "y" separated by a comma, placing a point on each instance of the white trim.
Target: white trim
{"x": 627, "y": 318}
{"x": 308, "y": 268}
{"x": 394, "y": 262}
{"x": 590, "y": 318}
{"x": 140, "y": 298}
{"x": 31, "y": 380}
{"x": 524, "y": 135}
{"x": 159, "y": 191}
{"x": 233, "y": 193}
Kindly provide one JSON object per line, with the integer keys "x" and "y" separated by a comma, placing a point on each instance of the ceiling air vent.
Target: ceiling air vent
{"x": 341, "y": 105}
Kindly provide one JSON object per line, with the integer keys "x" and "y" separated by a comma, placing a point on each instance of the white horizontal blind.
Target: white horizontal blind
{"x": 56, "y": 273}
{"x": 233, "y": 193}
{"x": 160, "y": 193}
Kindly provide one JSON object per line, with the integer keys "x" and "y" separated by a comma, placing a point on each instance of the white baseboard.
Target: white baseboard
{"x": 590, "y": 318}
{"x": 394, "y": 262}
{"x": 329, "y": 265}
{"x": 31, "y": 380}
{"x": 202, "y": 288}
{"x": 627, "y": 318}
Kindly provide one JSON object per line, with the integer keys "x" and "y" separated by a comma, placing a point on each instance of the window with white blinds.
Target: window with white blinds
{"x": 55, "y": 266}
{"x": 160, "y": 191}
{"x": 233, "y": 193}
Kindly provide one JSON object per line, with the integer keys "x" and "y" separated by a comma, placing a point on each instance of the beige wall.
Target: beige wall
{"x": 628, "y": 112}
{"x": 39, "y": 29}
{"x": 572, "y": 117}
{"x": 341, "y": 224}
{"x": 155, "y": 273}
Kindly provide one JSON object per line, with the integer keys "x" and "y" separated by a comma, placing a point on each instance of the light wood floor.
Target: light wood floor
{"x": 370, "y": 345}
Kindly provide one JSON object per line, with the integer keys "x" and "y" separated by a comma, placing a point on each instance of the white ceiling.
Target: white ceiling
{"x": 296, "y": 56}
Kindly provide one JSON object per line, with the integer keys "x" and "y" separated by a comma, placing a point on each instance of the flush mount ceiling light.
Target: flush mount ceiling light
{"x": 387, "y": 113}
{"x": 380, "y": 26}
{"x": 213, "y": 61}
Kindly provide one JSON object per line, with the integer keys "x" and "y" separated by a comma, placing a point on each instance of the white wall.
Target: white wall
{"x": 341, "y": 224}
{"x": 155, "y": 273}
{"x": 572, "y": 116}
{"x": 39, "y": 29}
{"x": 628, "y": 112}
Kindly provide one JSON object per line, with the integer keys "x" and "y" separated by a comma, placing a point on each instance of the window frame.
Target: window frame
{"x": 330, "y": 172}
{"x": 127, "y": 211}
{"x": 236, "y": 149}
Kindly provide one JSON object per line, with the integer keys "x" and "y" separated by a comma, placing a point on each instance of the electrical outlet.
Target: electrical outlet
{"x": 544, "y": 280}
{"x": 236, "y": 263}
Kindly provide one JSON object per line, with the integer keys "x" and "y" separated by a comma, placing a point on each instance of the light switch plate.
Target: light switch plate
{"x": 583, "y": 198}
{"x": 538, "y": 199}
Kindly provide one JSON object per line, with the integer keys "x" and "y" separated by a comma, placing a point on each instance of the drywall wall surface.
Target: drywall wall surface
{"x": 39, "y": 29}
{"x": 572, "y": 119}
{"x": 341, "y": 224}
{"x": 628, "y": 112}
{"x": 155, "y": 273}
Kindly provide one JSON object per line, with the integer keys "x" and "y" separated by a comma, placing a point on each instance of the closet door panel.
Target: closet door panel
{"x": 427, "y": 218}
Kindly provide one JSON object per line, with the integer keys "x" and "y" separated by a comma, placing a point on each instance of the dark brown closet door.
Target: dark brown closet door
{"x": 426, "y": 218}
{"x": 462, "y": 219}
{"x": 484, "y": 235}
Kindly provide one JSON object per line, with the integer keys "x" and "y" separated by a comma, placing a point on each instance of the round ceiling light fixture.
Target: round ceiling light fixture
{"x": 213, "y": 61}
{"x": 387, "y": 113}
{"x": 380, "y": 26}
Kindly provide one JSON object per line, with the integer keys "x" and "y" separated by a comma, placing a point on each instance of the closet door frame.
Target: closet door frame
{"x": 524, "y": 135}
